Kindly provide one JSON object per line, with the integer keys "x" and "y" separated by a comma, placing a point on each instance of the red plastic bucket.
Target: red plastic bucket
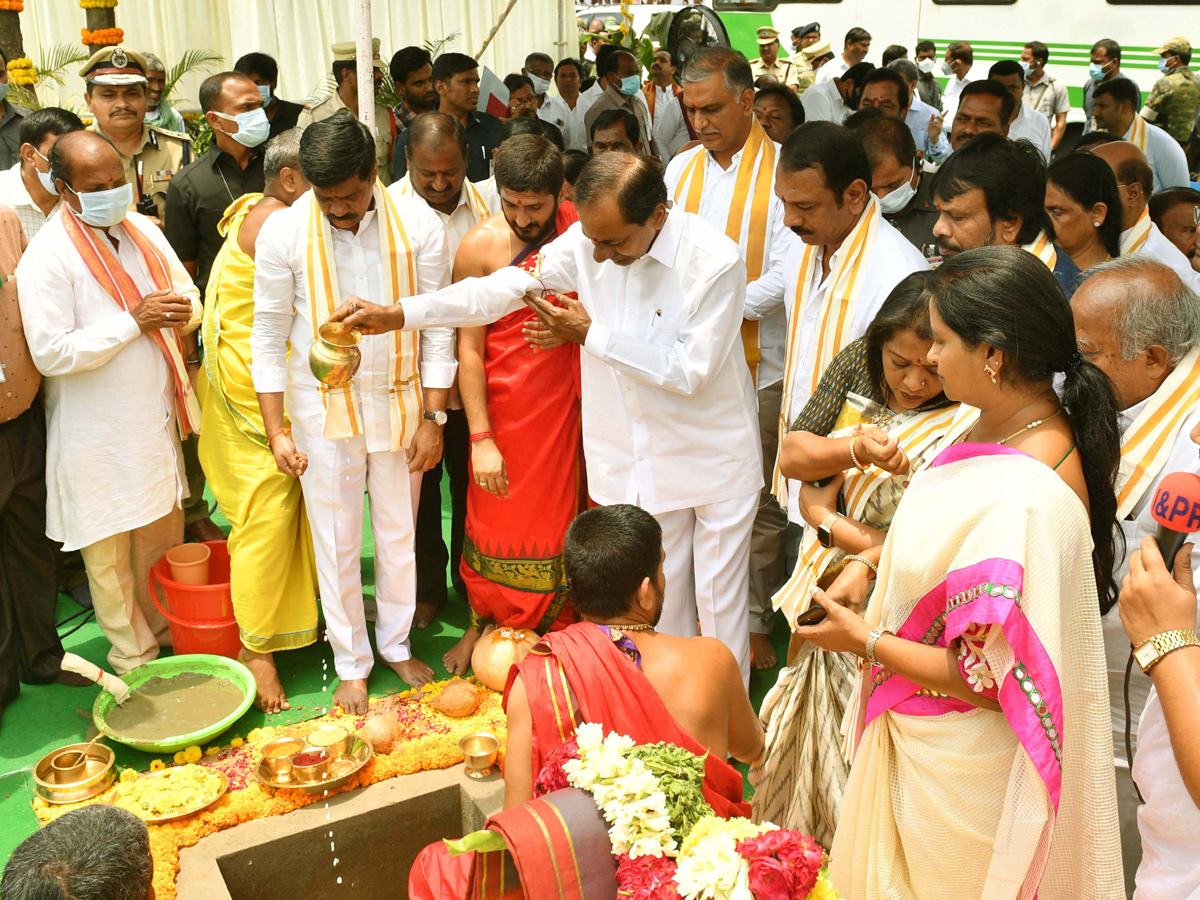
{"x": 200, "y": 616}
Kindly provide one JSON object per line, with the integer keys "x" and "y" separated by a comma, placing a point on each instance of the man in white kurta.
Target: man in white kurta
{"x": 1158, "y": 386}
{"x": 114, "y": 473}
{"x": 829, "y": 276}
{"x": 713, "y": 180}
{"x": 668, "y": 405}
{"x": 340, "y": 469}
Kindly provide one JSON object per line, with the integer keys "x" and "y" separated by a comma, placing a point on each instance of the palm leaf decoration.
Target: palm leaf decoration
{"x": 435, "y": 47}
{"x": 56, "y": 60}
{"x": 192, "y": 61}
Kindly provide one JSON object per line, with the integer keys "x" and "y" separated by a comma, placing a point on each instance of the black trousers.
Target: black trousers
{"x": 30, "y": 650}
{"x": 431, "y": 552}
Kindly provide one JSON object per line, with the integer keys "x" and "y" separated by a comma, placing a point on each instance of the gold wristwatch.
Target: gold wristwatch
{"x": 1154, "y": 649}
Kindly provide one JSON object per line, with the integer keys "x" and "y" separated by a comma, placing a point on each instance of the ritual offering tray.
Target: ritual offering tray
{"x": 172, "y": 794}
{"x": 98, "y": 774}
{"x": 176, "y": 702}
{"x": 298, "y": 764}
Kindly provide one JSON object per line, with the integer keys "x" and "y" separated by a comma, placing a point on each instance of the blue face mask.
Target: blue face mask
{"x": 44, "y": 177}
{"x": 1096, "y": 71}
{"x": 104, "y": 209}
{"x": 253, "y": 127}
{"x": 1025, "y": 67}
{"x": 1162, "y": 65}
{"x": 630, "y": 85}
{"x": 264, "y": 91}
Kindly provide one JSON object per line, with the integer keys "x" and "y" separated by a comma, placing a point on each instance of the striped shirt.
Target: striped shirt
{"x": 14, "y": 195}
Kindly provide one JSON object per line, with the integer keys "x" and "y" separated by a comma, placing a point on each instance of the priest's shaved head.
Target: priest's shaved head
{"x": 82, "y": 162}
{"x": 612, "y": 558}
{"x": 622, "y": 203}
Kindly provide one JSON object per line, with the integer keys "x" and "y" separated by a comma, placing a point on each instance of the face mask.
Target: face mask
{"x": 1162, "y": 66}
{"x": 1096, "y": 71}
{"x": 947, "y": 69}
{"x": 1025, "y": 67}
{"x": 629, "y": 86}
{"x": 264, "y": 91}
{"x": 253, "y": 127}
{"x": 44, "y": 177}
{"x": 104, "y": 209}
{"x": 540, "y": 85}
{"x": 926, "y": 66}
{"x": 900, "y": 197}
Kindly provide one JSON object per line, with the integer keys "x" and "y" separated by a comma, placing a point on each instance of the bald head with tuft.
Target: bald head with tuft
{"x": 1130, "y": 166}
{"x": 86, "y": 161}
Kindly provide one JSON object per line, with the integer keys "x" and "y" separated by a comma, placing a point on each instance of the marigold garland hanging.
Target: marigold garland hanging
{"x": 97, "y": 4}
{"x": 13, "y": 5}
{"x": 21, "y": 71}
{"x": 102, "y": 37}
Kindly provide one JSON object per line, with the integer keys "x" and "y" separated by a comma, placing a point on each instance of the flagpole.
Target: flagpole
{"x": 365, "y": 65}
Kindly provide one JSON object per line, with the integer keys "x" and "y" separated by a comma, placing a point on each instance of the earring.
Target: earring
{"x": 991, "y": 374}
{"x": 1095, "y": 224}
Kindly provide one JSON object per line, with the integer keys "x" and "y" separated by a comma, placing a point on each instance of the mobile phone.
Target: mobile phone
{"x": 814, "y": 615}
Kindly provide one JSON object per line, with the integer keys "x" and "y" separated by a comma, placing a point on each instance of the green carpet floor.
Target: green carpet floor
{"x": 47, "y": 716}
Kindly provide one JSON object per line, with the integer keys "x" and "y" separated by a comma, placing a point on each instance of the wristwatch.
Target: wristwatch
{"x": 872, "y": 640}
{"x": 438, "y": 416}
{"x": 825, "y": 529}
{"x": 1154, "y": 649}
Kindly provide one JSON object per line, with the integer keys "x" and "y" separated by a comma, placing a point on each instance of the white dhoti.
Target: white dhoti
{"x": 338, "y": 474}
{"x": 707, "y": 560}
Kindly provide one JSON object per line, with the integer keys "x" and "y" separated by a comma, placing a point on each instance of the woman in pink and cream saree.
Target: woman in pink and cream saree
{"x": 979, "y": 727}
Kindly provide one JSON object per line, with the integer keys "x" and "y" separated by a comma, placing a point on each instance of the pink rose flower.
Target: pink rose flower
{"x": 646, "y": 878}
{"x": 771, "y": 879}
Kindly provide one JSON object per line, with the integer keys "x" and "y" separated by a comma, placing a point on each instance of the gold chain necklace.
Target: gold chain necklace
{"x": 1034, "y": 424}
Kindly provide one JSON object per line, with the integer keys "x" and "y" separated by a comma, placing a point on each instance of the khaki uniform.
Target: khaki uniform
{"x": 383, "y": 129}
{"x": 786, "y": 71}
{"x": 1175, "y": 99}
{"x": 159, "y": 156}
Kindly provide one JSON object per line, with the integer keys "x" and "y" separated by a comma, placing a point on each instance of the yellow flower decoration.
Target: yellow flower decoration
{"x": 236, "y": 742}
{"x": 13, "y": 5}
{"x": 97, "y": 4}
{"x": 157, "y": 765}
{"x": 128, "y": 775}
{"x": 212, "y": 751}
{"x": 179, "y": 760}
{"x": 192, "y": 754}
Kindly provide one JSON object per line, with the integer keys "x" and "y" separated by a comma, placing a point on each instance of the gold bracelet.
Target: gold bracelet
{"x": 866, "y": 562}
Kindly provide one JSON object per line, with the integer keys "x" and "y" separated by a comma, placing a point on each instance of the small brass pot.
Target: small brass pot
{"x": 334, "y": 356}
{"x": 479, "y": 751}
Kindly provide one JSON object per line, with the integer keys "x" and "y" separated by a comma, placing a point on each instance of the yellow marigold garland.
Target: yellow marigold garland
{"x": 21, "y": 71}
{"x": 13, "y": 5}
{"x": 102, "y": 37}
{"x": 97, "y": 4}
{"x": 432, "y": 743}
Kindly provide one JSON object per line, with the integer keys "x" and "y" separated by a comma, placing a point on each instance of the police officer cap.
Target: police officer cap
{"x": 346, "y": 51}
{"x": 801, "y": 30}
{"x": 767, "y": 35}
{"x": 817, "y": 50}
{"x": 114, "y": 65}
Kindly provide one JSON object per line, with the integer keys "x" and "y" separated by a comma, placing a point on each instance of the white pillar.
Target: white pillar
{"x": 364, "y": 62}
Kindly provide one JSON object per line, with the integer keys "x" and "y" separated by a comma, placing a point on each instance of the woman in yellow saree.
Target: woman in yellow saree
{"x": 982, "y": 742}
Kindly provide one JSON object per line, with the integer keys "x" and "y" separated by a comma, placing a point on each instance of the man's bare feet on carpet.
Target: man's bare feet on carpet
{"x": 424, "y": 615}
{"x": 351, "y": 696}
{"x": 412, "y": 672}
{"x": 762, "y": 652}
{"x": 269, "y": 694}
{"x": 458, "y": 658}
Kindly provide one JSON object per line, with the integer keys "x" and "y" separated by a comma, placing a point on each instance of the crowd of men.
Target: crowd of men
{"x": 533, "y": 362}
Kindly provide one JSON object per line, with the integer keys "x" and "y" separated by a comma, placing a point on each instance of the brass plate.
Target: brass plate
{"x": 191, "y": 811}
{"x": 100, "y": 775}
{"x": 360, "y": 754}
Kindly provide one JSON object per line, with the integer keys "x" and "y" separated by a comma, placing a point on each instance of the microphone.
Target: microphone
{"x": 1176, "y": 509}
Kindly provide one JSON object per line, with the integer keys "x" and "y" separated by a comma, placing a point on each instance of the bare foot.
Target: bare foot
{"x": 351, "y": 696}
{"x": 269, "y": 695}
{"x": 761, "y": 652}
{"x": 458, "y": 658}
{"x": 413, "y": 672}
{"x": 424, "y": 615}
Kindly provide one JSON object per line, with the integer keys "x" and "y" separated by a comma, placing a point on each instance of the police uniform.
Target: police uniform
{"x": 160, "y": 153}
{"x": 784, "y": 70}
{"x": 385, "y": 131}
{"x": 1173, "y": 102}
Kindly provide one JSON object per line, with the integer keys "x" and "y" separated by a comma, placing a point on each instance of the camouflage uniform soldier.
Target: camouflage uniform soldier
{"x": 1173, "y": 102}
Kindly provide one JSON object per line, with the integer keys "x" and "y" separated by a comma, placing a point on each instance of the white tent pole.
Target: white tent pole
{"x": 561, "y": 43}
{"x": 491, "y": 34}
{"x": 364, "y": 63}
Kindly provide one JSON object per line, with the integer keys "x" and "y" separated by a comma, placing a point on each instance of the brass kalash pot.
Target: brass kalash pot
{"x": 334, "y": 356}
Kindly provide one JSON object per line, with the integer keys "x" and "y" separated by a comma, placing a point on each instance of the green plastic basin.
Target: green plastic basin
{"x": 195, "y": 663}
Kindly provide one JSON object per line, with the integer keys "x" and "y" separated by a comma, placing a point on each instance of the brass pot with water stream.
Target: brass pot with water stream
{"x": 334, "y": 356}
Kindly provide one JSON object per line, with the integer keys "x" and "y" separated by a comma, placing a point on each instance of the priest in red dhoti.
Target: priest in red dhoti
{"x": 520, "y": 390}
{"x": 616, "y": 670}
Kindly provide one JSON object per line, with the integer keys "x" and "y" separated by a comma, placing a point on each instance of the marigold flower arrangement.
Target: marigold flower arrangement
{"x": 102, "y": 37}
{"x": 21, "y": 71}
{"x": 668, "y": 843}
{"x": 97, "y": 4}
{"x": 12, "y": 5}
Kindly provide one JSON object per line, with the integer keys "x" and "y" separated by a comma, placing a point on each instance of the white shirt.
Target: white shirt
{"x": 1168, "y": 254}
{"x": 282, "y": 314}
{"x": 1139, "y": 524}
{"x": 1031, "y": 126}
{"x": 835, "y": 68}
{"x": 112, "y": 443}
{"x": 823, "y": 103}
{"x": 1167, "y": 159}
{"x": 463, "y": 219}
{"x": 670, "y": 131}
{"x": 764, "y": 296}
{"x": 569, "y": 121}
{"x": 15, "y": 196}
{"x": 953, "y": 88}
{"x": 891, "y": 258}
{"x": 669, "y": 417}
{"x": 917, "y": 119}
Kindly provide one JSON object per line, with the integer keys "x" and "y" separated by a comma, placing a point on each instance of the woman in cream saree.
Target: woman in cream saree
{"x": 978, "y": 725}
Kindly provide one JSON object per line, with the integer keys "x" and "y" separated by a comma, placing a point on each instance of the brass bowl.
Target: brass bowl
{"x": 334, "y": 356}
{"x": 479, "y": 752}
{"x": 309, "y": 774}
{"x": 98, "y": 775}
{"x": 340, "y": 771}
{"x": 333, "y": 738}
{"x": 281, "y": 766}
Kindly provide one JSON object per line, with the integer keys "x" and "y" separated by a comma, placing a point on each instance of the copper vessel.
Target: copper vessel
{"x": 334, "y": 356}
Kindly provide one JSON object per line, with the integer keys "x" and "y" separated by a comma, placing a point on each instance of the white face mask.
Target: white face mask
{"x": 540, "y": 85}
{"x": 44, "y": 177}
{"x": 947, "y": 68}
{"x": 900, "y": 197}
{"x": 264, "y": 91}
{"x": 253, "y": 126}
{"x": 926, "y": 66}
{"x": 104, "y": 209}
